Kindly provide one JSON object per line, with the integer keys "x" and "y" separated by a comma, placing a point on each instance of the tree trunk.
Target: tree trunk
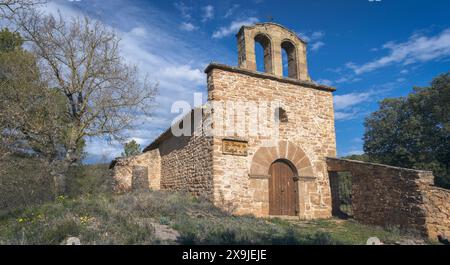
{"x": 58, "y": 171}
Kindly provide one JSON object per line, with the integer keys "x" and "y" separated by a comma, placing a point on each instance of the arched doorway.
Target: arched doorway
{"x": 283, "y": 189}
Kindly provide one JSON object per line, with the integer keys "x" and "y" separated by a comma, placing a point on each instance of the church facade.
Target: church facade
{"x": 281, "y": 173}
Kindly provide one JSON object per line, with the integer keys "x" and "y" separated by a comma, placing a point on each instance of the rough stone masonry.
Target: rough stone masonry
{"x": 283, "y": 173}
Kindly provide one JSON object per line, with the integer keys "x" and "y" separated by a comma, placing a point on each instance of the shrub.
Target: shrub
{"x": 24, "y": 182}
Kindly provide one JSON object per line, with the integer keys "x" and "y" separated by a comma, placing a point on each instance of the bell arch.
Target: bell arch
{"x": 292, "y": 60}
{"x": 266, "y": 43}
{"x": 286, "y": 151}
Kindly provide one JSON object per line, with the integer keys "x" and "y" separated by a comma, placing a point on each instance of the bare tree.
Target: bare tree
{"x": 81, "y": 59}
{"x": 9, "y": 8}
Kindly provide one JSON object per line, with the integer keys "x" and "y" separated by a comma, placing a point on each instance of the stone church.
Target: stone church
{"x": 292, "y": 172}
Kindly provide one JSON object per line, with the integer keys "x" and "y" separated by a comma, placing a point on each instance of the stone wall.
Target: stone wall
{"x": 310, "y": 127}
{"x": 141, "y": 171}
{"x": 397, "y": 197}
{"x": 187, "y": 165}
{"x": 437, "y": 211}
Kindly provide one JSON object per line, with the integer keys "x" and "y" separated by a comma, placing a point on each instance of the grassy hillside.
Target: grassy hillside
{"x": 26, "y": 181}
{"x": 151, "y": 217}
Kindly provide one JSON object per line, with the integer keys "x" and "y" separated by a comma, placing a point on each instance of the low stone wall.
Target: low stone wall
{"x": 391, "y": 196}
{"x": 437, "y": 211}
{"x": 136, "y": 172}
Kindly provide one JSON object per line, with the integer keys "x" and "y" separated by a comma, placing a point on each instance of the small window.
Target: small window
{"x": 281, "y": 115}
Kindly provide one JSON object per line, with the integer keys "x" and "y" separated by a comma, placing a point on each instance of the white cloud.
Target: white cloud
{"x": 417, "y": 49}
{"x": 233, "y": 27}
{"x": 351, "y": 106}
{"x": 338, "y": 115}
{"x": 183, "y": 73}
{"x": 347, "y": 79}
{"x": 314, "y": 36}
{"x": 231, "y": 10}
{"x": 187, "y": 26}
{"x": 317, "y": 45}
{"x": 342, "y": 102}
{"x": 208, "y": 13}
{"x": 184, "y": 9}
{"x": 139, "y": 32}
{"x": 325, "y": 82}
{"x": 314, "y": 39}
{"x": 317, "y": 35}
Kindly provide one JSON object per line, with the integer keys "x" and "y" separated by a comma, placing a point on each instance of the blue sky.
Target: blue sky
{"x": 367, "y": 50}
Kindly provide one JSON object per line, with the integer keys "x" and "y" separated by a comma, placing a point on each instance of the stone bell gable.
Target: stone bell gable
{"x": 273, "y": 38}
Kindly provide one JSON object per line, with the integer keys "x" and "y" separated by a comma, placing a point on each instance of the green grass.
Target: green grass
{"x": 31, "y": 215}
{"x": 129, "y": 218}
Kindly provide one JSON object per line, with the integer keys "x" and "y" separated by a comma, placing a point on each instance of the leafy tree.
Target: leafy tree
{"x": 362, "y": 157}
{"x": 33, "y": 118}
{"x": 131, "y": 148}
{"x": 414, "y": 131}
{"x": 10, "y": 41}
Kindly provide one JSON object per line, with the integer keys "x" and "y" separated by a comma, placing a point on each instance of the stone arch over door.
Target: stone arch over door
{"x": 265, "y": 156}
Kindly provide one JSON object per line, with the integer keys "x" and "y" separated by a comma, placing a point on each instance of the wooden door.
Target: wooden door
{"x": 283, "y": 195}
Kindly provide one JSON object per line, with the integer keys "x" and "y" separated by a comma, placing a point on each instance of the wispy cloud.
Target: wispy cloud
{"x": 417, "y": 49}
{"x": 354, "y": 105}
{"x": 317, "y": 35}
{"x": 231, "y": 11}
{"x": 342, "y": 102}
{"x": 347, "y": 79}
{"x": 187, "y": 26}
{"x": 184, "y": 9}
{"x": 326, "y": 82}
{"x": 314, "y": 39}
{"x": 139, "y": 32}
{"x": 208, "y": 13}
{"x": 349, "y": 106}
{"x": 233, "y": 27}
{"x": 317, "y": 45}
